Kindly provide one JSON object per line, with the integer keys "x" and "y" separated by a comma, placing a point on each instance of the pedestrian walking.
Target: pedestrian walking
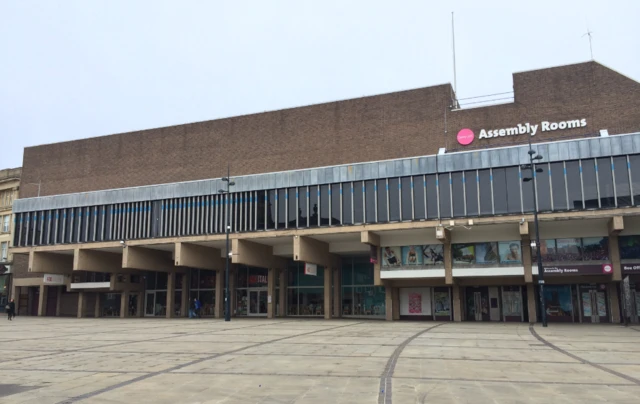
{"x": 192, "y": 309}
{"x": 198, "y": 307}
{"x": 11, "y": 310}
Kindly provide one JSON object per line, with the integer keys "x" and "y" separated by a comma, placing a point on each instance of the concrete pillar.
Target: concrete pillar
{"x": 271, "y": 292}
{"x": 98, "y": 307}
{"x": 59, "y": 300}
{"x": 614, "y": 253}
{"x": 614, "y": 302}
{"x": 219, "y": 311}
{"x": 283, "y": 293}
{"x": 328, "y": 295}
{"x": 141, "y": 302}
{"x": 457, "y": 303}
{"x": 15, "y": 295}
{"x": 124, "y": 304}
{"x": 42, "y": 301}
{"x": 232, "y": 293}
{"x": 81, "y": 303}
{"x": 448, "y": 262}
{"x": 395, "y": 293}
{"x": 337, "y": 293}
{"x": 186, "y": 285}
{"x": 171, "y": 294}
{"x": 531, "y": 303}
{"x": 388, "y": 302}
{"x": 527, "y": 260}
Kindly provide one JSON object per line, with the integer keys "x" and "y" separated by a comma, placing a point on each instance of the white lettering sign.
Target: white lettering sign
{"x": 532, "y": 129}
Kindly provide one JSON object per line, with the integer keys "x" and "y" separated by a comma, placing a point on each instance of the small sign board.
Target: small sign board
{"x": 310, "y": 269}
{"x": 53, "y": 279}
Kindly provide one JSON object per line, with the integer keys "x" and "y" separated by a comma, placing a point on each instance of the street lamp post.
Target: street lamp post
{"x": 533, "y": 157}
{"x": 227, "y": 301}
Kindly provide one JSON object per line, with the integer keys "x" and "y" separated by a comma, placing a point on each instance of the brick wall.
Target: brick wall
{"x": 402, "y": 124}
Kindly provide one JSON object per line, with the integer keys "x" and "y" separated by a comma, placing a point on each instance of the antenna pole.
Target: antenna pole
{"x": 589, "y": 32}
{"x": 455, "y": 86}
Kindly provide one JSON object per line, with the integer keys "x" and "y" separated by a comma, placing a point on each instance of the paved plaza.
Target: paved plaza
{"x": 58, "y": 360}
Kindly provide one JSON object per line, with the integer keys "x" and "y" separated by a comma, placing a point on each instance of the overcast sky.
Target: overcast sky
{"x": 76, "y": 69}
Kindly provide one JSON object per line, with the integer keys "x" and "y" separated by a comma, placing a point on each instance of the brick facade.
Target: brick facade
{"x": 402, "y": 124}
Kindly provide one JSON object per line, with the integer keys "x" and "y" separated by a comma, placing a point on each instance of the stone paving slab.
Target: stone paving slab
{"x": 65, "y": 360}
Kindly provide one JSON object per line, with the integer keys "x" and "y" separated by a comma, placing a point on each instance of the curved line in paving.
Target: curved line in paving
{"x": 194, "y": 362}
{"x": 582, "y": 360}
{"x": 385, "y": 395}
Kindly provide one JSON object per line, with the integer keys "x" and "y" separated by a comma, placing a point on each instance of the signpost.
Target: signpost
{"x": 310, "y": 269}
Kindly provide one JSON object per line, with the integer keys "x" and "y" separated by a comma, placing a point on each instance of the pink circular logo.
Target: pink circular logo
{"x": 607, "y": 268}
{"x": 465, "y": 136}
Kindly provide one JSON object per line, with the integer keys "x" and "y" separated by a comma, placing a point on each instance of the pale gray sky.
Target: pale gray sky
{"x": 76, "y": 69}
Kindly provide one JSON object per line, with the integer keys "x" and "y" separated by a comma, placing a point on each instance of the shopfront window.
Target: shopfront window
{"x": 411, "y": 257}
{"x": 497, "y": 253}
{"x": 595, "y": 248}
{"x": 629, "y": 247}
{"x": 305, "y": 293}
{"x": 573, "y": 249}
{"x": 359, "y": 296}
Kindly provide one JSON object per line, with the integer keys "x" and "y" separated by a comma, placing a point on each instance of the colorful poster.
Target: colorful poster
{"x": 415, "y": 303}
{"x": 601, "y": 304}
{"x": 433, "y": 254}
{"x": 558, "y": 300}
{"x": 463, "y": 253}
{"x": 586, "y": 304}
{"x": 442, "y": 303}
{"x": 568, "y": 249}
{"x": 412, "y": 255}
{"x": 391, "y": 256}
{"x": 510, "y": 252}
{"x": 487, "y": 253}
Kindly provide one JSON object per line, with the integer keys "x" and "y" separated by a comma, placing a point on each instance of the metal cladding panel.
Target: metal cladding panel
{"x": 345, "y": 173}
{"x": 297, "y": 178}
{"x": 328, "y": 175}
{"x": 626, "y": 144}
{"x": 321, "y": 175}
{"x": 594, "y": 147}
{"x": 616, "y": 145}
{"x": 563, "y": 152}
{"x": 573, "y": 150}
{"x": 584, "y": 149}
{"x": 313, "y": 177}
{"x": 423, "y": 165}
{"x": 383, "y": 170}
{"x": 605, "y": 146}
{"x": 543, "y": 150}
{"x": 280, "y": 183}
{"x": 406, "y": 167}
{"x": 554, "y": 152}
{"x": 271, "y": 180}
{"x": 485, "y": 159}
{"x": 358, "y": 172}
{"x": 636, "y": 143}
{"x": 432, "y": 163}
{"x": 415, "y": 166}
{"x": 337, "y": 173}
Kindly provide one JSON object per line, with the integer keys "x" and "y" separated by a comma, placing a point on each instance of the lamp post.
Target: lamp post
{"x": 227, "y": 213}
{"x": 533, "y": 157}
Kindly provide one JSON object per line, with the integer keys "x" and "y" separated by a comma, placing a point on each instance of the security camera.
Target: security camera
{"x": 522, "y": 221}
{"x": 122, "y": 242}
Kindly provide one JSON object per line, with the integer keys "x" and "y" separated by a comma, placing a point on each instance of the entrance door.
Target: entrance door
{"x": 594, "y": 306}
{"x": 512, "y": 303}
{"x": 477, "y": 304}
{"x": 133, "y": 305}
{"x": 257, "y": 303}
{"x": 150, "y": 304}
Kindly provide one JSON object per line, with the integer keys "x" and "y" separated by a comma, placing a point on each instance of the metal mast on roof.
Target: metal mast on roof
{"x": 589, "y": 32}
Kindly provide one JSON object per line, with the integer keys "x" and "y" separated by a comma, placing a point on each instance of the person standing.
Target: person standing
{"x": 11, "y": 310}
{"x": 198, "y": 307}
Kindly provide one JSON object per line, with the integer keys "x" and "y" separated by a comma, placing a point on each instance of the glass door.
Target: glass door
{"x": 150, "y": 304}
{"x": 257, "y": 303}
{"x": 594, "y": 305}
{"x": 512, "y": 303}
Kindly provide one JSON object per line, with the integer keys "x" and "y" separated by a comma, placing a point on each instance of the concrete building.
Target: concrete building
{"x": 395, "y": 206}
{"x": 9, "y": 185}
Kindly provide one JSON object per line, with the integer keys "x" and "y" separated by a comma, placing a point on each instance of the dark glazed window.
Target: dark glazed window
{"x": 382, "y": 190}
{"x": 558, "y": 186}
{"x": 358, "y": 202}
{"x": 405, "y": 193}
{"x": 574, "y": 184}
{"x": 418, "y": 197}
{"x": 432, "y": 197}
{"x": 370, "y": 201}
{"x": 394, "y": 199}
{"x": 303, "y": 208}
{"x": 605, "y": 178}
{"x": 485, "y": 192}
{"x": 282, "y": 208}
{"x": 347, "y": 198}
{"x": 543, "y": 188}
{"x": 271, "y": 209}
{"x": 444, "y": 186}
{"x": 457, "y": 184}
{"x": 589, "y": 184}
{"x": 261, "y": 205}
{"x": 335, "y": 204}
{"x": 324, "y": 205}
{"x": 314, "y": 209}
{"x": 499, "y": 191}
{"x": 513, "y": 190}
{"x": 623, "y": 192}
{"x": 291, "y": 207}
{"x": 634, "y": 162}
{"x": 471, "y": 191}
